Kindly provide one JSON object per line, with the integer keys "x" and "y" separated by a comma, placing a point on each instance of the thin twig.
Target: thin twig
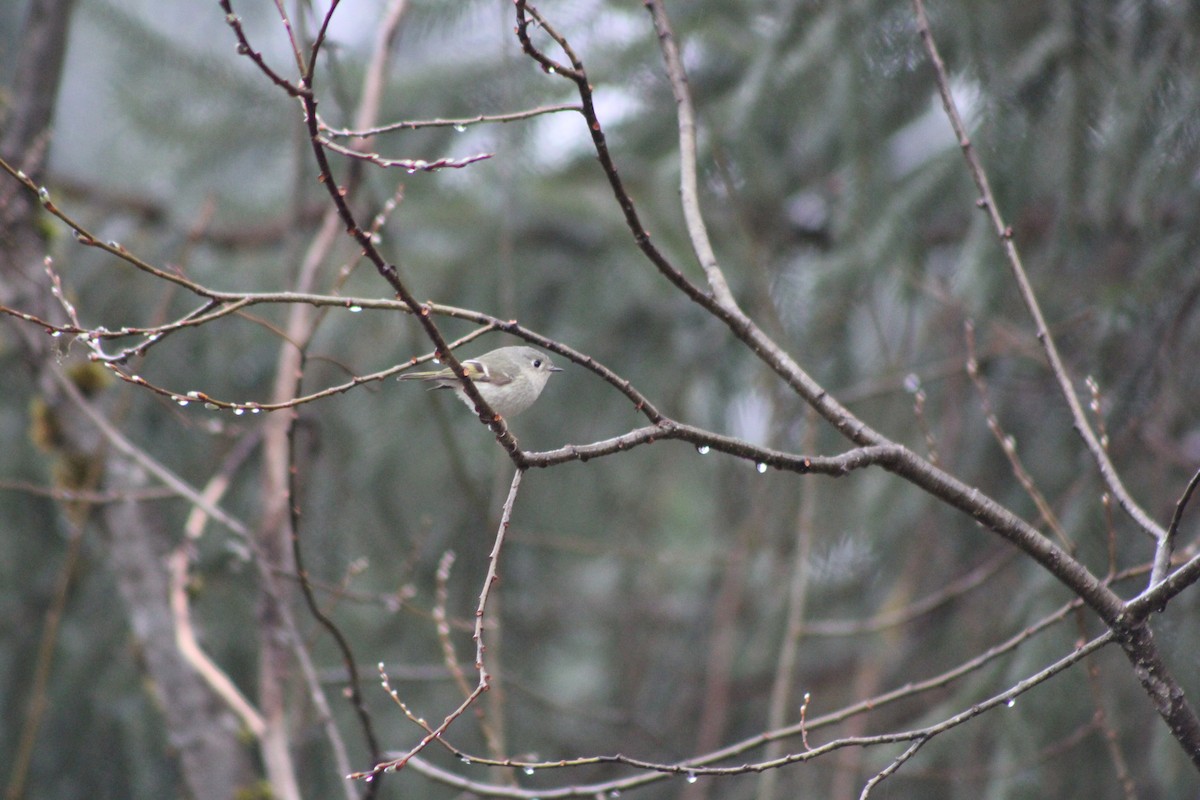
{"x": 449, "y": 657}
{"x": 987, "y": 201}
{"x": 458, "y": 124}
{"x": 410, "y": 165}
{"x": 891, "y": 768}
{"x": 779, "y": 706}
{"x": 689, "y": 193}
{"x": 1162, "y": 555}
{"x": 1008, "y": 444}
{"x": 244, "y": 49}
{"x": 484, "y": 683}
{"x": 188, "y": 397}
{"x": 353, "y": 683}
{"x": 805, "y": 726}
{"x": 653, "y": 772}
{"x": 575, "y": 72}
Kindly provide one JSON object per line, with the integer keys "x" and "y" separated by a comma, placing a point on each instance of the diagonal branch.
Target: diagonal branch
{"x": 920, "y": 472}
{"x": 689, "y": 194}
{"x": 987, "y": 201}
{"x": 485, "y": 678}
{"x": 707, "y": 764}
{"x": 1162, "y": 556}
{"x": 1134, "y": 635}
{"x": 459, "y": 124}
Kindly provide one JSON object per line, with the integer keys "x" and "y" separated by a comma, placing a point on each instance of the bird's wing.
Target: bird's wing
{"x": 480, "y": 373}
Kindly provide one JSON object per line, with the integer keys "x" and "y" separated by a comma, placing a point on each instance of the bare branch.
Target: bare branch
{"x": 879, "y": 777}
{"x": 459, "y": 124}
{"x": 407, "y": 164}
{"x": 162, "y": 473}
{"x": 485, "y": 678}
{"x": 244, "y": 49}
{"x": 197, "y": 659}
{"x": 987, "y": 201}
{"x": 1166, "y": 545}
{"x": 689, "y": 193}
{"x": 655, "y": 772}
{"x": 1008, "y": 445}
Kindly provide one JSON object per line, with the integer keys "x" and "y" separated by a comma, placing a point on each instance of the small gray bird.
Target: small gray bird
{"x": 509, "y": 378}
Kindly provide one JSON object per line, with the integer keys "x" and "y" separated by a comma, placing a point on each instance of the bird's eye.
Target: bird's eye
{"x": 537, "y": 363}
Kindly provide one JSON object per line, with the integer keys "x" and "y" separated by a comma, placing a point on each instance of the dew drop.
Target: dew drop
{"x": 464, "y": 760}
{"x": 44, "y": 194}
{"x": 56, "y": 334}
{"x": 460, "y": 128}
{"x": 369, "y": 778}
{"x": 211, "y": 406}
{"x": 691, "y": 777}
{"x": 237, "y": 412}
{"x": 615, "y": 793}
{"x": 912, "y": 383}
{"x": 529, "y": 770}
{"x": 703, "y": 449}
{"x": 1012, "y": 701}
{"x": 761, "y": 467}
{"x": 355, "y": 309}
{"x": 183, "y": 401}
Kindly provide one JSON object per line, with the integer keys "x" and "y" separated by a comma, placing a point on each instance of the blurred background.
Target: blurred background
{"x": 643, "y": 602}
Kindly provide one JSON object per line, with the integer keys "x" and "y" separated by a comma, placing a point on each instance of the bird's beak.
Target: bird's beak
{"x": 554, "y": 369}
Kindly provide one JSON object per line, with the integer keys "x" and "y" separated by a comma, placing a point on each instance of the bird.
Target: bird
{"x": 508, "y": 378}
